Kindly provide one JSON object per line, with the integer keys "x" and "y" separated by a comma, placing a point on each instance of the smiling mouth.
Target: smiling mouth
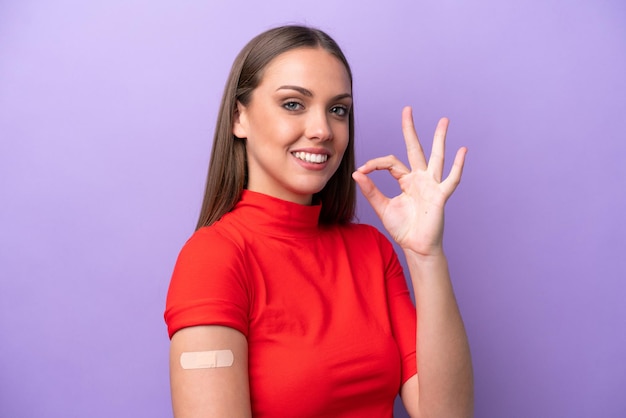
{"x": 311, "y": 158}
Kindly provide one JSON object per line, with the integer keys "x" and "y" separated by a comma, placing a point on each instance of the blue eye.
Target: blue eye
{"x": 292, "y": 105}
{"x": 339, "y": 110}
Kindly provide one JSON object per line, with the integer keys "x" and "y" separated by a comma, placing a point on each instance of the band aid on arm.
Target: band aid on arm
{"x": 206, "y": 359}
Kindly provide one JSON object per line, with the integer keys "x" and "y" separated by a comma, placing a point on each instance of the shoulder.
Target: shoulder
{"x": 212, "y": 249}
{"x": 209, "y": 236}
{"x": 366, "y": 240}
{"x": 370, "y": 244}
{"x": 365, "y": 233}
{"x": 219, "y": 238}
{"x": 209, "y": 284}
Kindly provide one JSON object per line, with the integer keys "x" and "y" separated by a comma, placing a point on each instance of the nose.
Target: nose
{"x": 318, "y": 126}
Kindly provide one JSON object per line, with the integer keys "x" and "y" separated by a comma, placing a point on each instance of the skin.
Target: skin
{"x": 296, "y": 108}
{"x": 300, "y": 106}
{"x": 415, "y": 220}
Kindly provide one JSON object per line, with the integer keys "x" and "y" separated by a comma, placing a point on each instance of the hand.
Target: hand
{"x": 415, "y": 217}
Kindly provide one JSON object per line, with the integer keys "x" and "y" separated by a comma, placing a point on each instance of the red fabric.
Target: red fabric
{"x": 326, "y": 310}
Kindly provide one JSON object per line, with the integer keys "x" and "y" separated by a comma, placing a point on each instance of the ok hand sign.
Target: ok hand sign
{"x": 415, "y": 217}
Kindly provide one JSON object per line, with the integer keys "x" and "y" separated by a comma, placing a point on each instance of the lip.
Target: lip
{"x": 308, "y": 165}
{"x": 311, "y": 150}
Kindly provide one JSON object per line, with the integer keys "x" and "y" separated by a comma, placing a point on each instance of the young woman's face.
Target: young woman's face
{"x": 296, "y": 124}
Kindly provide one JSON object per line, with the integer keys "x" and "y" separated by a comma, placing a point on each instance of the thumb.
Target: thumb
{"x": 375, "y": 197}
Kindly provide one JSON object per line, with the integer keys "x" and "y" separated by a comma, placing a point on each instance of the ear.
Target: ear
{"x": 240, "y": 125}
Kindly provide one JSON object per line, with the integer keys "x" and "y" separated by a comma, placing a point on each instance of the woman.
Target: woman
{"x": 280, "y": 305}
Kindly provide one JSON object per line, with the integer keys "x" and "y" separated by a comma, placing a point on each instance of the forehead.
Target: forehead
{"x": 307, "y": 67}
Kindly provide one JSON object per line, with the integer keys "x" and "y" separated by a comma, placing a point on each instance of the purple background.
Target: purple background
{"x": 106, "y": 115}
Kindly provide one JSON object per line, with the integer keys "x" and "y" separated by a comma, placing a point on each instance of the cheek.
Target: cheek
{"x": 284, "y": 132}
{"x": 274, "y": 127}
{"x": 342, "y": 136}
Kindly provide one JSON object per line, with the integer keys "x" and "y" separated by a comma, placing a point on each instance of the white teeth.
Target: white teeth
{"x": 311, "y": 158}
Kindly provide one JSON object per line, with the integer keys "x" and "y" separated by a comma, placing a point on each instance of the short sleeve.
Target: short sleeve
{"x": 209, "y": 284}
{"x": 401, "y": 310}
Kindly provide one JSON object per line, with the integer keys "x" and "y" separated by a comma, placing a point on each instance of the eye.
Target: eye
{"x": 292, "y": 105}
{"x": 339, "y": 110}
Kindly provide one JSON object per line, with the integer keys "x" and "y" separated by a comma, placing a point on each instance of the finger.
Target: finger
{"x": 374, "y": 196}
{"x": 414, "y": 150}
{"x": 454, "y": 178}
{"x": 390, "y": 163}
{"x": 435, "y": 162}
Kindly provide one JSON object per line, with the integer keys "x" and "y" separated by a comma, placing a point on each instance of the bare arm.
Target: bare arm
{"x": 414, "y": 219}
{"x": 210, "y": 392}
{"x": 444, "y": 384}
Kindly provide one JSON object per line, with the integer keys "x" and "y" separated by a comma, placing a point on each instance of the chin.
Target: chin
{"x": 312, "y": 189}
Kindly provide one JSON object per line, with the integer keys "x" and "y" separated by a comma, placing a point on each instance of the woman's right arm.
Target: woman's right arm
{"x": 210, "y": 392}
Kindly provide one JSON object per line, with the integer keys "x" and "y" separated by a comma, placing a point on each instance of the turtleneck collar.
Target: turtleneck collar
{"x": 272, "y": 216}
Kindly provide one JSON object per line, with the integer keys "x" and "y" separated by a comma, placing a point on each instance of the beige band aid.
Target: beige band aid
{"x": 206, "y": 359}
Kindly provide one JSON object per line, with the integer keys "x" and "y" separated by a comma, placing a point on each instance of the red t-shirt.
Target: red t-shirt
{"x": 325, "y": 309}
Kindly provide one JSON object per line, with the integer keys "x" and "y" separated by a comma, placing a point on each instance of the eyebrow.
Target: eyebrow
{"x": 309, "y": 93}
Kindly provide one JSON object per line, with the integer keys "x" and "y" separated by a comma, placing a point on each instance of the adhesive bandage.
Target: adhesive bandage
{"x": 206, "y": 359}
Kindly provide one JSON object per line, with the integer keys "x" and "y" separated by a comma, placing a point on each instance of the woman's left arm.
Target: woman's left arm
{"x": 443, "y": 386}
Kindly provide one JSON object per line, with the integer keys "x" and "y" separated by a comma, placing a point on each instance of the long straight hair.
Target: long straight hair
{"x": 228, "y": 171}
